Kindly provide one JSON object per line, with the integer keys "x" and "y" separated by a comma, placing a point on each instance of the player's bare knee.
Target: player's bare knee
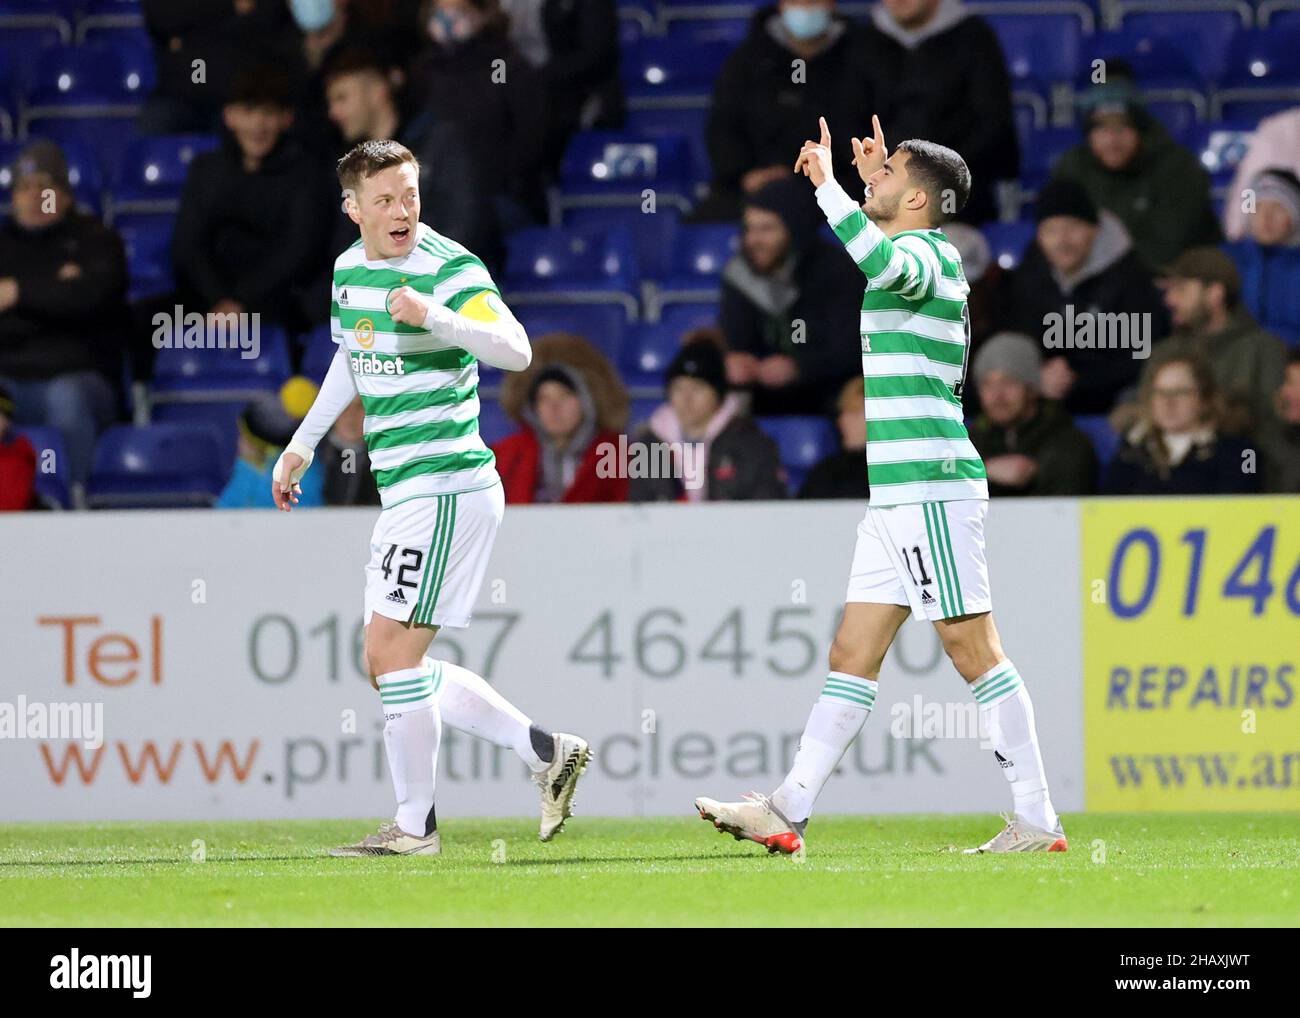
{"x": 850, "y": 660}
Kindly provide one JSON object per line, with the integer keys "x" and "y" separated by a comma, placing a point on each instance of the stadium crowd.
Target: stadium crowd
{"x": 501, "y": 100}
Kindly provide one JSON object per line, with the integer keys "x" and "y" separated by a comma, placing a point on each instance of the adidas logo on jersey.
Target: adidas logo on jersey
{"x": 371, "y": 364}
{"x": 397, "y": 597}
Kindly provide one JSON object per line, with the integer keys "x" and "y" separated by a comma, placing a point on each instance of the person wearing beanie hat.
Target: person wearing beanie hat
{"x": 1129, "y": 165}
{"x": 1202, "y": 289}
{"x": 1082, "y": 263}
{"x": 718, "y": 452}
{"x": 789, "y": 305}
{"x": 1029, "y": 446}
{"x": 17, "y": 461}
{"x": 1276, "y": 222}
{"x": 62, "y": 307}
{"x": 265, "y": 426}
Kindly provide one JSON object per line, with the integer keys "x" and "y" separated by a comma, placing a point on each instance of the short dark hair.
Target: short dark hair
{"x": 261, "y": 85}
{"x": 353, "y": 60}
{"x": 938, "y": 171}
{"x": 370, "y": 157}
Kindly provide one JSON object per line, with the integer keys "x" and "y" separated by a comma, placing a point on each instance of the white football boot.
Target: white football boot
{"x": 756, "y": 819}
{"x": 1019, "y": 836}
{"x": 391, "y": 840}
{"x": 559, "y": 782}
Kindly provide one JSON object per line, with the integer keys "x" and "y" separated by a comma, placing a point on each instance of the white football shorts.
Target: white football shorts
{"x": 428, "y": 556}
{"x": 927, "y": 556}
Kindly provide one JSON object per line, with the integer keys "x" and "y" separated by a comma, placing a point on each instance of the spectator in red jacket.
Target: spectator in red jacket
{"x": 571, "y": 407}
{"x": 17, "y": 462}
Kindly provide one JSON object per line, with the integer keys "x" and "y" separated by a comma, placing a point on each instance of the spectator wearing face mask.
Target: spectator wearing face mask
{"x": 1175, "y": 448}
{"x": 843, "y": 474}
{"x": 571, "y": 407}
{"x": 1130, "y": 166}
{"x": 1029, "y": 445}
{"x": 761, "y": 111}
{"x": 716, "y": 450}
{"x": 62, "y": 303}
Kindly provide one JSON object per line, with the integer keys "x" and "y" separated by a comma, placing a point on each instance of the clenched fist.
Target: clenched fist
{"x": 407, "y": 306}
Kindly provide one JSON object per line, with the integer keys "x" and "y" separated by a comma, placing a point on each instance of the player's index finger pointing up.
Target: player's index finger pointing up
{"x": 826, "y": 132}
{"x": 878, "y": 134}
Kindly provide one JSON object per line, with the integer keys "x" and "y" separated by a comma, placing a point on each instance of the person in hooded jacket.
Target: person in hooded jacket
{"x": 718, "y": 453}
{"x": 1129, "y": 165}
{"x": 1082, "y": 263}
{"x": 790, "y": 304}
{"x": 571, "y": 407}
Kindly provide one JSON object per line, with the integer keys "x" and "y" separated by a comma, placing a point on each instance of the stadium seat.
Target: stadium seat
{"x": 1008, "y": 241}
{"x": 658, "y": 72}
{"x": 555, "y": 265}
{"x": 216, "y": 375}
{"x": 153, "y": 170}
{"x": 689, "y": 123}
{"x": 1221, "y": 147}
{"x": 1281, "y": 298}
{"x": 617, "y": 168}
{"x": 699, "y": 253}
{"x": 27, "y": 29}
{"x": 163, "y": 465}
{"x": 1041, "y": 149}
{"x": 651, "y": 346}
{"x": 1103, "y": 438}
{"x": 641, "y": 409}
{"x": 652, "y": 233}
{"x": 221, "y": 418}
{"x": 148, "y": 243}
{"x": 603, "y": 325}
{"x": 684, "y": 29}
{"x": 1263, "y": 66}
{"x": 1174, "y": 88}
{"x": 52, "y": 485}
{"x": 494, "y": 423}
{"x": 802, "y": 442}
{"x": 1039, "y": 48}
{"x": 318, "y": 349}
{"x": 1205, "y": 33}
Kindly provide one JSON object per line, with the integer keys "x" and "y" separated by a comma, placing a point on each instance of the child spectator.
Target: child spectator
{"x": 265, "y": 427}
{"x": 571, "y": 407}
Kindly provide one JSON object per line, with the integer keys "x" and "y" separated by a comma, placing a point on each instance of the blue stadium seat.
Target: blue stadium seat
{"x": 699, "y": 253}
{"x": 610, "y": 167}
{"x": 1040, "y": 150}
{"x": 181, "y": 375}
{"x": 603, "y": 325}
{"x": 652, "y": 233}
{"x": 1249, "y": 259}
{"x": 318, "y": 349}
{"x": 651, "y": 347}
{"x": 554, "y": 265}
{"x": 1008, "y": 241}
{"x": 1281, "y": 310}
{"x": 1104, "y": 439}
{"x": 802, "y": 442}
{"x": 153, "y": 171}
{"x": 494, "y": 423}
{"x": 687, "y": 316}
{"x": 689, "y": 123}
{"x": 148, "y": 243}
{"x": 1263, "y": 66}
{"x": 53, "y": 487}
{"x": 172, "y": 465}
{"x": 1206, "y": 33}
{"x": 1221, "y": 147}
{"x": 1039, "y": 48}
{"x": 641, "y": 409}
{"x": 1174, "y": 88}
{"x": 220, "y": 418}
{"x": 27, "y": 28}
{"x": 690, "y": 31}
{"x": 83, "y": 173}
{"x": 659, "y": 72}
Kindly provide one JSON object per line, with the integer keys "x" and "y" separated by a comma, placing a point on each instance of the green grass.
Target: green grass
{"x": 1158, "y": 870}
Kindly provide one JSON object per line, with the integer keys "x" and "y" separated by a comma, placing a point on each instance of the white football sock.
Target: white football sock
{"x": 469, "y": 703}
{"x": 1009, "y": 719}
{"x": 412, "y": 730}
{"x": 836, "y": 718}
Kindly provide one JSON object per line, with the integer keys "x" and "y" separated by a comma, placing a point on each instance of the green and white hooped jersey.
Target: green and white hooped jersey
{"x": 420, "y": 395}
{"x": 915, "y": 343}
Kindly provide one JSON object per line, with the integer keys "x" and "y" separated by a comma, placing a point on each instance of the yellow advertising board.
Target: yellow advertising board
{"x": 1191, "y": 631}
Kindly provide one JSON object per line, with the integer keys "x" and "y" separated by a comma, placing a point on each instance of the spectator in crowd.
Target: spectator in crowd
{"x": 844, "y": 474}
{"x": 1280, "y": 434}
{"x": 1082, "y": 263}
{"x": 472, "y": 74}
{"x": 199, "y": 47}
{"x": 1175, "y": 448}
{"x": 1029, "y": 445}
{"x": 571, "y": 407}
{"x": 716, "y": 451}
{"x": 1275, "y": 145}
{"x": 762, "y": 110}
{"x": 1129, "y": 165}
{"x": 1203, "y": 293}
{"x": 363, "y": 105}
{"x": 343, "y": 460}
{"x": 17, "y": 462}
{"x": 265, "y": 427}
{"x": 62, "y": 304}
{"x": 250, "y": 235}
{"x": 574, "y": 46}
{"x": 1276, "y": 220}
{"x": 938, "y": 72}
{"x": 790, "y": 303}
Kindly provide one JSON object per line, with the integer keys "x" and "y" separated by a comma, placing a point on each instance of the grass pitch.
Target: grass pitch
{"x": 1122, "y": 869}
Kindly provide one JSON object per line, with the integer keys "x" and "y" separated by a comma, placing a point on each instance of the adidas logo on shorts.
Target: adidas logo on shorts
{"x": 396, "y": 596}
{"x": 926, "y": 597}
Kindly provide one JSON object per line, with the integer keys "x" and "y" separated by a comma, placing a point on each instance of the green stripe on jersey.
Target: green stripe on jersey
{"x": 913, "y": 343}
{"x": 444, "y": 463}
{"x": 386, "y": 406}
{"x": 881, "y": 386}
{"x": 413, "y": 434}
{"x": 924, "y": 470}
{"x": 902, "y": 429}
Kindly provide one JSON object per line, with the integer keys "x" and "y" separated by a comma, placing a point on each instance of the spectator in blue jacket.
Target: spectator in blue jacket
{"x": 265, "y": 427}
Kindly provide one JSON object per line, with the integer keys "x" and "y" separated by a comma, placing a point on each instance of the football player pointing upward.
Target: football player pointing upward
{"x": 412, "y": 313}
{"x": 920, "y": 547}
